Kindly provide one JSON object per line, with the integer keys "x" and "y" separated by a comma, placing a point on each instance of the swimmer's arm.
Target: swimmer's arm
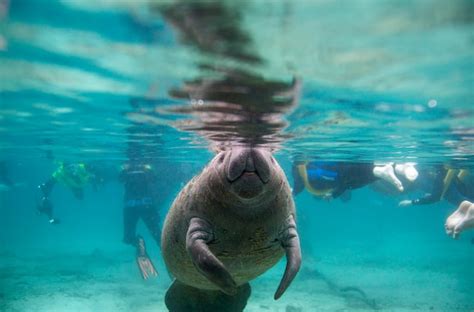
{"x": 427, "y": 199}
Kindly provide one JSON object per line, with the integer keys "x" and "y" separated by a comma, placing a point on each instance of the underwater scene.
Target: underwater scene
{"x": 291, "y": 156}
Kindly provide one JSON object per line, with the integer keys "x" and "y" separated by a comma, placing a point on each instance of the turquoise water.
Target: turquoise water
{"x": 171, "y": 82}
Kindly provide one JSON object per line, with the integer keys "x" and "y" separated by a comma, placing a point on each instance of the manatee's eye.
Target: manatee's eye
{"x": 272, "y": 159}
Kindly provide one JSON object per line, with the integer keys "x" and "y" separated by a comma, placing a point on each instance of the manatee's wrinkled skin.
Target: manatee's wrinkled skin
{"x": 245, "y": 199}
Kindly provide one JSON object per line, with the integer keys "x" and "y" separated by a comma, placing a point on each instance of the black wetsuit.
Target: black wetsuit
{"x": 140, "y": 202}
{"x": 334, "y": 177}
{"x": 457, "y": 190}
{"x": 45, "y": 206}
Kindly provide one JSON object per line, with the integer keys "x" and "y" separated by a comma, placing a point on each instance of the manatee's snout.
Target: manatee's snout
{"x": 248, "y": 170}
{"x": 245, "y": 161}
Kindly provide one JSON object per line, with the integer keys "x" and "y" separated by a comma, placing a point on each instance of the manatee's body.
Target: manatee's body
{"x": 244, "y": 209}
{"x": 246, "y": 246}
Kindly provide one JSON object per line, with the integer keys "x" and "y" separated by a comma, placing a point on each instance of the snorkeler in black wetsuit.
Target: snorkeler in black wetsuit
{"x": 332, "y": 179}
{"x": 454, "y": 185}
{"x": 140, "y": 203}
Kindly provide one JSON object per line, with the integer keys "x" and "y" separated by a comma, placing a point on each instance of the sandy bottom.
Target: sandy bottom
{"x": 100, "y": 281}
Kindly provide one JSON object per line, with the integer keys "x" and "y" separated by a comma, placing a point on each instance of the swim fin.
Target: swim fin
{"x": 145, "y": 265}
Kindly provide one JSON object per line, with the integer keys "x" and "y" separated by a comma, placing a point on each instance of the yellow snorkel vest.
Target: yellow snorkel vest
{"x": 304, "y": 175}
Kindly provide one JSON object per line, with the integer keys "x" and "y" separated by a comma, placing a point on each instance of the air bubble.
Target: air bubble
{"x": 432, "y": 103}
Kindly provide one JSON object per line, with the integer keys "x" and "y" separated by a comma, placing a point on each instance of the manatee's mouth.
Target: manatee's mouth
{"x": 249, "y": 165}
{"x": 248, "y": 175}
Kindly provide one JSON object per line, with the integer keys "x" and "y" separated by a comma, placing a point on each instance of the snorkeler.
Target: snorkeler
{"x": 461, "y": 219}
{"x": 457, "y": 187}
{"x": 72, "y": 175}
{"x": 454, "y": 185}
{"x": 140, "y": 203}
{"x": 329, "y": 180}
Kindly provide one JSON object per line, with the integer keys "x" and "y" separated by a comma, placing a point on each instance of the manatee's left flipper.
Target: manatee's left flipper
{"x": 290, "y": 241}
{"x": 198, "y": 236}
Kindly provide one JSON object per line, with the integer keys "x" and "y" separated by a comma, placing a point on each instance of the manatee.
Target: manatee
{"x": 228, "y": 225}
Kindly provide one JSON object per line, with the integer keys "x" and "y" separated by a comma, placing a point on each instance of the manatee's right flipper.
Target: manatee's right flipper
{"x": 290, "y": 241}
{"x": 198, "y": 236}
{"x": 184, "y": 298}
